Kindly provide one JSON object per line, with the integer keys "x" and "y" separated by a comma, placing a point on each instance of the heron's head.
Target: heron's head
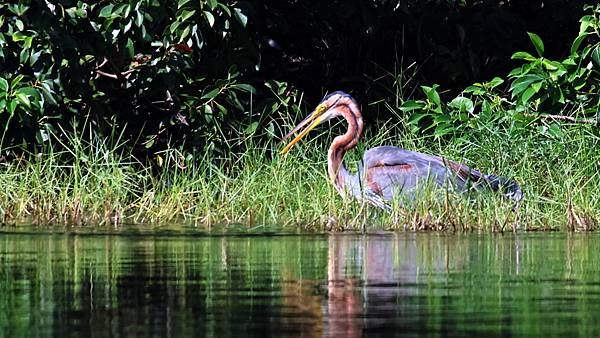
{"x": 325, "y": 111}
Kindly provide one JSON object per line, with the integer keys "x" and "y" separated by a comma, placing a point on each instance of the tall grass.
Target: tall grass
{"x": 96, "y": 182}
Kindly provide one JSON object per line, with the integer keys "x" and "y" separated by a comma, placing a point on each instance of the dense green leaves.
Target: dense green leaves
{"x": 153, "y": 67}
{"x": 539, "y": 87}
{"x": 204, "y": 74}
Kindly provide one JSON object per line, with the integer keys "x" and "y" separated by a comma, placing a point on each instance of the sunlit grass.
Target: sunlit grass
{"x": 94, "y": 183}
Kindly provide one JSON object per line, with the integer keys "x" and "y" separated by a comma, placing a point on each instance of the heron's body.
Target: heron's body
{"x": 388, "y": 172}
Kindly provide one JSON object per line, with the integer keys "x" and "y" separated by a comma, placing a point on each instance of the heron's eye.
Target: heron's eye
{"x": 321, "y": 109}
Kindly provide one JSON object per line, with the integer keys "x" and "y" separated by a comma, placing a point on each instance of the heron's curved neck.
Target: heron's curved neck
{"x": 335, "y": 166}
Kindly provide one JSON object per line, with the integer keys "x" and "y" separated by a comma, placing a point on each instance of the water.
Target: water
{"x": 450, "y": 285}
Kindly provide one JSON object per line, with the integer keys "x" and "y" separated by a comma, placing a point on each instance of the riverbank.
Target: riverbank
{"x": 103, "y": 185}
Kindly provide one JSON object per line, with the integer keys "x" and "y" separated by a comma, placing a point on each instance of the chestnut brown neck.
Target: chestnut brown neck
{"x": 335, "y": 166}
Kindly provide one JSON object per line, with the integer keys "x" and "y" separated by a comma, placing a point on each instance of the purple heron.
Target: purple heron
{"x": 386, "y": 171}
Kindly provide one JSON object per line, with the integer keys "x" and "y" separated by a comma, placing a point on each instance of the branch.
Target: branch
{"x": 112, "y": 76}
{"x": 124, "y": 74}
{"x": 564, "y": 118}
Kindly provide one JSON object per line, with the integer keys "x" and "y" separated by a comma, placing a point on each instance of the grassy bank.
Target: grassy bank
{"x": 103, "y": 185}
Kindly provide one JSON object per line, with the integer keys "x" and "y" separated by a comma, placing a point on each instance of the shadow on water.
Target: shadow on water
{"x": 342, "y": 285}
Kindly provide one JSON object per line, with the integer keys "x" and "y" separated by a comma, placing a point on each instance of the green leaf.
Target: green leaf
{"x": 173, "y": 27}
{"x": 586, "y": 21}
{"x": 225, "y": 8}
{"x": 19, "y": 36}
{"x": 495, "y": 82}
{"x": 441, "y": 119}
{"x": 119, "y": 9}
{"x": 555, "y": 131}
{"x": 415, "y": 118}
{"x": 24, "y": 56}
{"x": 19, "y": 24}
{"x": 523, "y": 56}
{"x": 212, "y": 4}
{"x": 527, "y": 94}
{"x": 523, "y": 82}
{"x": 182, "y": 3}
{"x": 127, "y": 26}
{"x": 184, "y": 33}
{"x": 242, "y": 18}
{"x": 24, "y": 99}
{"x": 596, "y": 56}
{"x": 245, "y": 87}
{"x": 139, "y": 19}
{"x": 516, "y": 72}
{"x": 33, "y": 95}
{"x": 475, "y": 90}
{"x": 185, "y": 15}
{"x": 550, "y": 65}
{"x": 537, "y": 43}
{"x": 34, "y": 57}
{"x": 3, "y": 85}
{"x": 432, "y": 94}
{"x": 251, "y": 128}
{"x": 129, "y": 48}
{"x": 412, "y": 105}
{"x": 106, "y": 11}
{"x": 16, "y": 81}
{"x": 210, "y": 18}
{"x": 212, "y": 94}
{"x": 577, "y": 42}
{"x": 48, "y": 95}
{"x": 443, "y": 129}
{"x": 12, "y": 106}
{"x": 462, "y": 104}
{"x": 42, "y": 136}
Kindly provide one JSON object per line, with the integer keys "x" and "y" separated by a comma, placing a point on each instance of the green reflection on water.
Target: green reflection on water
{"x": 336, "y": 285}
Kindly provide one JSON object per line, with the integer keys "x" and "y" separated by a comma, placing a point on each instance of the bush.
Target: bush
{"x": 540, "y": 88}
{"x": 206, "y": 74}
{"x": 169, "y": 71}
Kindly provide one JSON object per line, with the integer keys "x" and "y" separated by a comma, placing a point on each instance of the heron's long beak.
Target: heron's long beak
{"x": 312, "y": 120}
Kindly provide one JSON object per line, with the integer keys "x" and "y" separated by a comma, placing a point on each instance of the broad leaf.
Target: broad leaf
{"x": 537, "y": 42}
{"x": 185, "y": 15}
{"x": 495, "y": 82}
{"x": 3, "y": 85}
{"x": 523, "y": 56}
{"x": 596, "y": 56}
{"x": 527, "y": 94}
{"x": 212, "y": 94}
{"x": 412, "y": 105}
{"x": 106, "y": 11}
{"x": 210, "y": 18}
{"x": 432, "y": 94}
{"x": 242, "y": 18}
{"x": 462, "y": 104}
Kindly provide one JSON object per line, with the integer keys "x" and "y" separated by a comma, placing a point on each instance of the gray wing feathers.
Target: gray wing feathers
{"x": 386, "y": 171}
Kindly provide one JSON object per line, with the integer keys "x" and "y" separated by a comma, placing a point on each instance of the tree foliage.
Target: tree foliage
{"x": 539, "y": 87}
{"x": 161, "y": 68}
{"x": 198, "y": 74}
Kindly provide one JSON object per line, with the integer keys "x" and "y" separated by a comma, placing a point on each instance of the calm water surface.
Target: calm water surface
{"x": 450, "y": 285}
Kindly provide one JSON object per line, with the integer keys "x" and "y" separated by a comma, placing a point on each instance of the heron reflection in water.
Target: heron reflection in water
{"x": 387, "y": 172}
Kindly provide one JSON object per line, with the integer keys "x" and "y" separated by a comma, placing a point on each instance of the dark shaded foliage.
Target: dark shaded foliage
{"x": 167, "y": 70}
{"x": 455, "y": 43}
{"x": 199, "y": 74}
